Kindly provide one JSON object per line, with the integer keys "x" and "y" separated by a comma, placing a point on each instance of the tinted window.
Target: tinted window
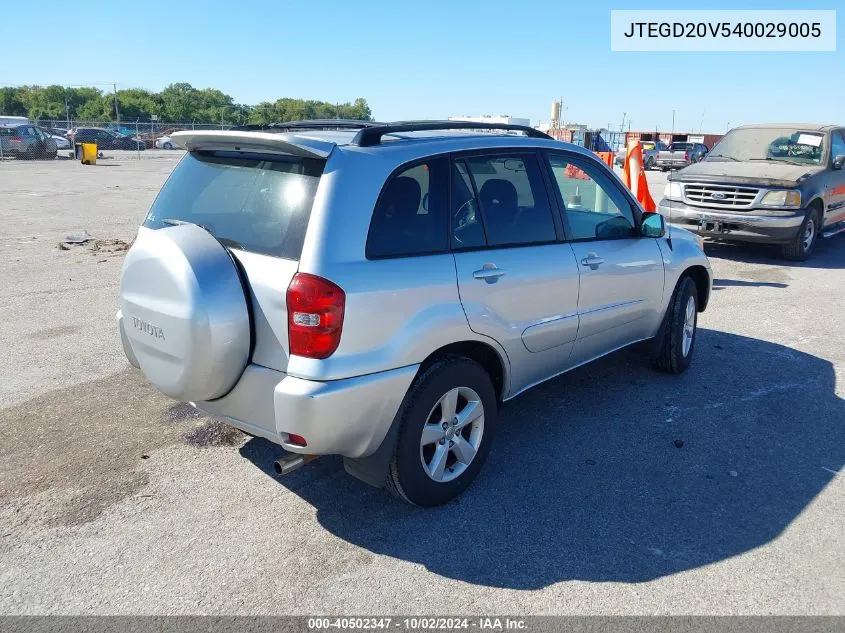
{"x": 253, "y": 202}
{"x": 595, "y": 209}
{"x": 512, "y": 199}
{"x": 467, "y": 227}
{"x": 410, "y": 216}
{"x": 837, "y": 145}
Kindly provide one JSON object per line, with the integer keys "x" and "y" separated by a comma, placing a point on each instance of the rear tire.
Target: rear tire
{"x": 803, "y": 243}
{"x": 168, "y": 146}
{"x": 676, "y": 342}
{"x": 432, "y": 465}
{"x": 649, "y": 164}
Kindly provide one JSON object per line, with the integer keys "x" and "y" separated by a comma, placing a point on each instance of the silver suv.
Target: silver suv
{"x": 377, "y": 291}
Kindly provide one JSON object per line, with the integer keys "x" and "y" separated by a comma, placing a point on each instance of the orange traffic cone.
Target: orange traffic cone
{"x": 634, "y": 175}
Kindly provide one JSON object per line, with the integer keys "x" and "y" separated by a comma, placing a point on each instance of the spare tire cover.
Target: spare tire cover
{"x": 185, "y": 312}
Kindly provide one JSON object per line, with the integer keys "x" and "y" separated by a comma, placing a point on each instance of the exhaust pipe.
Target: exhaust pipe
{"x": 291, "y": 462}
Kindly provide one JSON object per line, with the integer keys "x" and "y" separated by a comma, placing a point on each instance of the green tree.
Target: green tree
{"x": 10, "y": 102}
{"x": 178, "y": 102}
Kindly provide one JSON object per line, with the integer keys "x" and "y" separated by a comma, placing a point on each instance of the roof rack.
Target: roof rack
{"x": 371, "y": 134}
{"x": 310, "y": 124}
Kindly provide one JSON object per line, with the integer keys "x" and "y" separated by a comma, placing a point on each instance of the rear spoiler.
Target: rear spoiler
{"x": 252, "y": 141}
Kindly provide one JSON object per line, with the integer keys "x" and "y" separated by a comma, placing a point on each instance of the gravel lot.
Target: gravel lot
{"x": 114, "y": 499}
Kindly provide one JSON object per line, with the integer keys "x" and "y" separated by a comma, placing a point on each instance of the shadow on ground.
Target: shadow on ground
{"x": 829, "y": 253}
{"x": 585, "y": 481}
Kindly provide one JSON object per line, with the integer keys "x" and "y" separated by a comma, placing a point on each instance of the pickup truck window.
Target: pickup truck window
{"x": 788, "y": 145}
{"x": 837, "y": 145}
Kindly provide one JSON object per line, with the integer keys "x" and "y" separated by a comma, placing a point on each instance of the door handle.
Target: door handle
{"x": 592, "y": 260}
{"x": 489, "y": 273}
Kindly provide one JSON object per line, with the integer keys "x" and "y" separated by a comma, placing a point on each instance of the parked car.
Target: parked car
{"x": 775, "y": 184}
{"x": 60, "y": 140}
{"x": 105, "y": 139}
{"x": 650, "y": 151}
{"x": 164, "y": 142}
{"x": 378, "y": 292}
{"x": 26, "y": 141}
{"x": 679, "y": 155}
{"x": 14, "y": 120}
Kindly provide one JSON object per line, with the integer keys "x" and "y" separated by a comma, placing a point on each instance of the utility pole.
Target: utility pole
{"x": 622, "y": 125}
{"x": 701, "y": 123}
{"x": 673, "y": 123}
{"x": 727, "y": 127}
{"x": 116, "y": 111}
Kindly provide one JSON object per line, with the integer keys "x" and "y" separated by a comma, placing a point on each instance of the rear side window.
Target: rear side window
{"x": 512, "y": 198}
{"x": 256, "y": 203}
{"x": 410, "y": 216}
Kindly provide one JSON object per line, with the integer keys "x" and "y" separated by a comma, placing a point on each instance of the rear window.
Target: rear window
{"x": 7, "y": 131}
{"x": 256, "y": 203}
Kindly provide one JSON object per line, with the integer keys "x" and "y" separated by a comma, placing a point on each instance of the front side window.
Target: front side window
{"x": 837, "y": 145}
{"x": 410, "y": 217}
{"x": 512, "y": 199}
{"x": 594, "y": 208}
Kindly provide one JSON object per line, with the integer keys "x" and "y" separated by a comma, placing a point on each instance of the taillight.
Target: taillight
{"x": 296, "y": 440}
{"x": 16, "y": 139}
{"x": 686, "y": 156}
{"x": 315, "y": 316}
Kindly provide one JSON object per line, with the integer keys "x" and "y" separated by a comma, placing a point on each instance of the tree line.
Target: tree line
{"x": 178, "y": 102}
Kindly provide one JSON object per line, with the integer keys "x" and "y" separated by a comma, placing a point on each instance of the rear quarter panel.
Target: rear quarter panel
{"x": 398, "y": 311}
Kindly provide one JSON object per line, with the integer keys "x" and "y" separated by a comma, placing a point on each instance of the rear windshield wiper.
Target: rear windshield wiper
{"x": 736, "y": 160}
{"x": 174, "y": 222}
{"x": 225, "y": 241}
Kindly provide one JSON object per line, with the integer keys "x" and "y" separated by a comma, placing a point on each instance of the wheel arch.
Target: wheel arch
{"x": 817, "y": 204}
{"x": 701, "y": 278}
{"x": 484, "y": 354}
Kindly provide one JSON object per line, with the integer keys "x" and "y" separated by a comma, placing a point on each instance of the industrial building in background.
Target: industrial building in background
{"x": 606, "y": 140}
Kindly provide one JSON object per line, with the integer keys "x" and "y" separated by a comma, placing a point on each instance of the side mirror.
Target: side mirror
{"x": 652, "y": 225}
{"x": 839, "y": 161}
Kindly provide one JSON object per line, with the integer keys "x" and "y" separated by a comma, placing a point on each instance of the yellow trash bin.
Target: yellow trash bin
{"x": 89, "y": 153}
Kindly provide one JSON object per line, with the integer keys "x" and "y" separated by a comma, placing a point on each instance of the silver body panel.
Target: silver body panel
{"x": 548, "y": 313}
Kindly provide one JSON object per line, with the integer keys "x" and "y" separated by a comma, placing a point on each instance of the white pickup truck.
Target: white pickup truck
{"x": 680, "y": 154}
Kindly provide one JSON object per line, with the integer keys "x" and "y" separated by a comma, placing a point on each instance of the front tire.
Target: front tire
{"x": 802, "y": 245}
{"x": 649, "y": 164}
{"x": 676, "y": 342}
{"x": 447, "y": 424}
{"x": 168, "y": 146}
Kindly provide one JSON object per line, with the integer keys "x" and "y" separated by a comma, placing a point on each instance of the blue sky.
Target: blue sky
{"x": 431, "y": 60}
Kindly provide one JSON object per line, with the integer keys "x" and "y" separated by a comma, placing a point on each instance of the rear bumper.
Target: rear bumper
{"x": 671, "y": 164}
{"x": 347, "y": 417}
{"x": 748, "y": 226}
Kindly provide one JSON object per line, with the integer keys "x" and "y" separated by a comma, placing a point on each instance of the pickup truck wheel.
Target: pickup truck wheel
{"x": 802, "y": 245}
{"x": 677, "y": 338}
{"x": 649, "y": 164}
{"x": 447, "y": 424}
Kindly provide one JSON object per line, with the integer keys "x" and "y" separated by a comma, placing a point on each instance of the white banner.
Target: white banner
{"x": 723, "y": 30}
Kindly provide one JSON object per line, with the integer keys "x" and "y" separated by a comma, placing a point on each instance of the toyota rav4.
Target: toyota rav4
{"x": 377, "y": 291}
